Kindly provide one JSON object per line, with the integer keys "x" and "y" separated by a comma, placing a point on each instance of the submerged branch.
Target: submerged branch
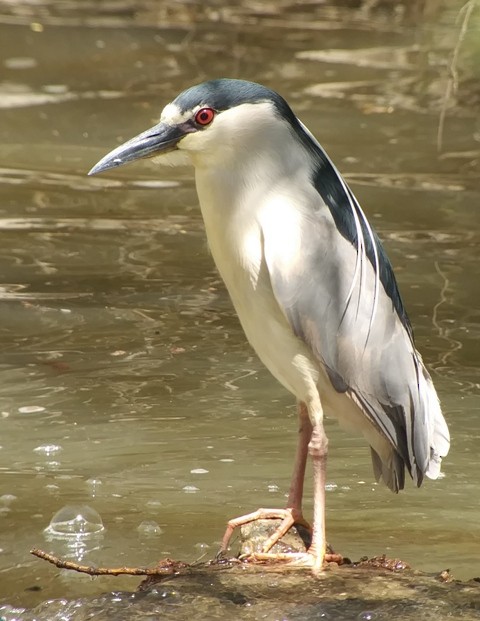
{"x": 167, "y": 567}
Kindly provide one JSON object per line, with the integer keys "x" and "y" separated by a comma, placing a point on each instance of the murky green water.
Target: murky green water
{"x": 119, "y": 348}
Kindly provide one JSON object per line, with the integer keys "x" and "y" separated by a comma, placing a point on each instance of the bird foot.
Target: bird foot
{"x": 308, "y": 560}
{"x": 289, "y": 517}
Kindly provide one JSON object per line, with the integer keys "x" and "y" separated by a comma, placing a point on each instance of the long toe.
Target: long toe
{"x": 307, "y": 560}
{"x": 288, "y": 516}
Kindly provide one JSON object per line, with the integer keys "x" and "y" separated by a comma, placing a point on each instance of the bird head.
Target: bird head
{"x": 214, "y": 120}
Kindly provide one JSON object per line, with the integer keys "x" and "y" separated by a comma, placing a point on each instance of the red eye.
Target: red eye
{"x": 204, "y": 116}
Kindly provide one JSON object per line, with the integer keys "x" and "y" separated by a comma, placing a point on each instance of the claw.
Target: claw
{"x": 296, "y": 559}
{"x": 288, "y": 516}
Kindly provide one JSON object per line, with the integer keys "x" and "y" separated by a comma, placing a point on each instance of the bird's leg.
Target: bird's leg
{"x": 318, "y": 449}
{"x": 305, "y": 429}
{"x": 293, "y": 513}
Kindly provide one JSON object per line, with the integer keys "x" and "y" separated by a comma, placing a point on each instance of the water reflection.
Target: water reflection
{"x": 118, "y": 341}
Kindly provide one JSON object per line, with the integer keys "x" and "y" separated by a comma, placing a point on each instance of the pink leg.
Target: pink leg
{"x": 316, "y": 554}
{"x": 293, "y": 513}
{"x": 311, "y": 440}
{"x": 298, "y": 477}
{"x": 318, "y": 449}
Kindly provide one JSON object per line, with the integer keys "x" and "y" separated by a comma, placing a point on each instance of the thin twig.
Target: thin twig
{"x": 167, "y": 567}
{"x": 452, "y": 84}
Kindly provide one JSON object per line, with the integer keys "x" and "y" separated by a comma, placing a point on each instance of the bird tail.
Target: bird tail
{"x": 437, "y": 430}
{"x": 430, "y": 439}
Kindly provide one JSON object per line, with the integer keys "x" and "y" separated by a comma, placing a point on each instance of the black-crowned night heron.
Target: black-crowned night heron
{"x": 311, "y": 283}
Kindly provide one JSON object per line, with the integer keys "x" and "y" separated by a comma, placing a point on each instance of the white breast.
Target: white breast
{"x": 235, "y": 238}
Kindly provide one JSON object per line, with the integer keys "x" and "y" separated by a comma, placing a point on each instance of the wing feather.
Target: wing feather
{"x": 341, "y": 298}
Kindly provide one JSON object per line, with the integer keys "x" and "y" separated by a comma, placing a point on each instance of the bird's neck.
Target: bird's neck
{"x": 235, "y": 182}
{"x": 240, "y": 197}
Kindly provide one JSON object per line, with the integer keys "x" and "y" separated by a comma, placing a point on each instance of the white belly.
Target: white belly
{"x": 235, "y": 241}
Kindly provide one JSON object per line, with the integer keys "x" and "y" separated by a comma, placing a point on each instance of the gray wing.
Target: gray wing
{"x": 341, "y": 298}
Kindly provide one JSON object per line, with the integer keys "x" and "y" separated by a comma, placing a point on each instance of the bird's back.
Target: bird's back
{"x": 343, "y": 301}
{"x": 316, "y": 293}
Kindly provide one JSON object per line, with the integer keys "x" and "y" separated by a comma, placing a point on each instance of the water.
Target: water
{"x": 127, "y": 384}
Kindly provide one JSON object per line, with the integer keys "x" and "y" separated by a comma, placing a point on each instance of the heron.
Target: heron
{"x": 311, "y": 284}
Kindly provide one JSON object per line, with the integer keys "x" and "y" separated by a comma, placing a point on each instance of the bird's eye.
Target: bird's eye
{"x": 204, "y": 116}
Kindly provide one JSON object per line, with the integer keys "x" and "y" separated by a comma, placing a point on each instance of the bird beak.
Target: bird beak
{"x": 158, "y": 139}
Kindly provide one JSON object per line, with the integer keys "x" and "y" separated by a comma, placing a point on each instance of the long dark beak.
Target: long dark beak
{"x": 156, "y": 140}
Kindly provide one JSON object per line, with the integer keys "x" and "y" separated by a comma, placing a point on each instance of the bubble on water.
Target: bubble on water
{"x": 226, "y": 460}
{"x": 153, "y": 504}
{"x": 75, "y": 522}
{"x": 273, "y": 488}
{"x": 94, "y": 485}
{"x": 7, "y": 499}
{"x": 149, "y": 528}
{"x": 31, "y": 409}
{"x": 199, "y": 471}
{"x": 57, "y": 89}
{"x": 20, "y": 62}
{"x": 48, "y": 449}
{"x": 367, "y": 615}
{"x": 51, "y": 465}
{"x": 190, "y": 489}
{"x": 202, "y": 547}
{"x": 330, "y": 487}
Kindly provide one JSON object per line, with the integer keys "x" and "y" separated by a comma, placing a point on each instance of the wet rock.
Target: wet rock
{"x": 249, "y": 592}
{"x": 376, "y": 589}
{"x": 254, "y": 534}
